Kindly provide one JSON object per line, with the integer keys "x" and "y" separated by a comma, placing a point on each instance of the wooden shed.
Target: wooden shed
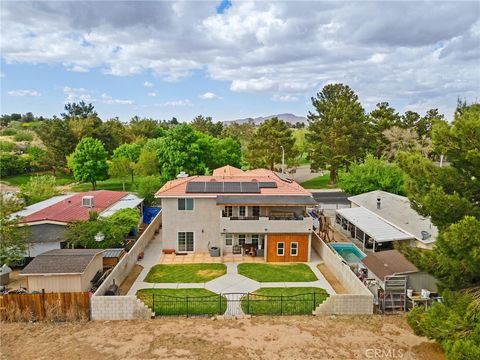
{"x": 288, "y": 247}
{"x": 111, "y": 257}
{"x": 63, "y": 270}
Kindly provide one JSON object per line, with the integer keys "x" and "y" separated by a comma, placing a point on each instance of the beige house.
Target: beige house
{"x": 63, "y": 270}
{"x": 254, "y": 213}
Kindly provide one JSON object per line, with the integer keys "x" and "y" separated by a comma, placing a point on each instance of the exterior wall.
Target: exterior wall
{"x": 95, "y": 266}
{"x": 118, "y": 308}
{"x": 359, "y": 299}
{"x": 203, "y": 221}
{"x": 287, "y": 239}
{"x": 55, "y": 283}
{"x": 126, "y": 264}
{"x": 259, "y": 226}
{"x": 35, "y": 249}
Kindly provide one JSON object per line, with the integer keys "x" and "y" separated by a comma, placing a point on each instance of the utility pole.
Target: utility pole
{"x": 283, "y": 159}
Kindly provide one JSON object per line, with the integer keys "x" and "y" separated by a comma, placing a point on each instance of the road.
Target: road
{"x": 330, "y": 197}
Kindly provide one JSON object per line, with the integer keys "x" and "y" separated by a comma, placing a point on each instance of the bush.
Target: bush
{"x": 147, "y": 186}
{"x": 23, "y": 136}
{"x": 14, "y": 164}
{"x": 38, "y": 188}
{"x": 6, "y": 146}
{"x": 8, "y": 132}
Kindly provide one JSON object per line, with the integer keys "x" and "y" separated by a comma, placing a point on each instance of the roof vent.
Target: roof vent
{"x": 182, "y": 175}
{"x": 379, "y": 203}
{"x": 87, "y": 201}
{"x": 425, "y": 235}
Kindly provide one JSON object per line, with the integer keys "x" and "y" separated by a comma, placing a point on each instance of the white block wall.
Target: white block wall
{"x": 118, "y": 308}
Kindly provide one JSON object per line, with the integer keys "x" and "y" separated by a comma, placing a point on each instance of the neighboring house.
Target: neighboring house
{"x": 378, "y": 217}
{"x": 47, "y": 220}
{"x": 254, "y": 212}
{"x": 387, "y": 263}
{"x": 63, "y": 270}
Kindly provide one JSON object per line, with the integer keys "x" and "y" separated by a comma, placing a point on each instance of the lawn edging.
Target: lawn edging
{"x": 291, "y": 272}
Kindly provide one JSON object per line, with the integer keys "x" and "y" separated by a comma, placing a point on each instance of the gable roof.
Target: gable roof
{"x": 396, "y": 210}
{"x": 67, "y": 209}
{"x": 178, "y": 187}
{"x": 389, "y": 262}
{"x": 61, "y": 261}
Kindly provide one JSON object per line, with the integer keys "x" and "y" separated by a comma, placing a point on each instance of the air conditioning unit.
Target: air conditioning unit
{"x": 87, "y": 201}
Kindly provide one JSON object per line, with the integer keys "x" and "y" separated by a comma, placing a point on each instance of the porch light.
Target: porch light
{"x": 99, "y": 237}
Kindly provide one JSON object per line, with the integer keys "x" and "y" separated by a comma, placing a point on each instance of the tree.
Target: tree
{"x": 147, "y": 186}
{"x": 425, "y": 124}
{"x": 12, "y": 237}
{"x": 372, "y": 174}
{"x": 89, "y": 161}
{"x": 147, "y": 163}
{"x": 80, "y": 110}
{"x": 242, "y": 132}
{"x": 129, "y": 153}
{"x": 112, "y": 133}
{"x": 59, "y": 140}
{"x": 85, "y": 126}
{"x": 38, "y": 188}
{"x": 410, "y": 120}
{"x": 338, "y": 131}
{"x": 120, "y": 168}
{"x": 145, "y": 128}
{"x": 264, "y": 149}
{"x": 399, "y": 140}
{"x": 383, "y": 117}
{"x": 207, "y": 126}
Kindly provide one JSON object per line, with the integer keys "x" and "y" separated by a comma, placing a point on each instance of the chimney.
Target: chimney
{"x": 87, "y": 201}
{"x": 182, "y": 174}
{"x": 379, "y": 203}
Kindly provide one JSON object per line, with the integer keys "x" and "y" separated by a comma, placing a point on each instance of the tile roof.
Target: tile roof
{"x": 389, "y": 262}
{"x": 61, "y": 261}
{"x": 177, "y": 187}
{"x": 70, "y": 209}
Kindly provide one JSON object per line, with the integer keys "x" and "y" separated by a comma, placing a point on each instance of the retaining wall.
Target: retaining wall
{"x": 127, "y": 307}
{"x": 358, "y": 301}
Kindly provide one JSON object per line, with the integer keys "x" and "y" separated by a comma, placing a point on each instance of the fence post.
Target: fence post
{"x": 187, "y": 306}
{"x": 281, "y": 304}
{"x": 248, "y": 303}
{"x": 153, "y": 302}
{"x": 220, "y": 304}
{"x": 314, "y": 302}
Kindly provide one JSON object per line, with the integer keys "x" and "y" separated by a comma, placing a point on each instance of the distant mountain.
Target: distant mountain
{"x": 289, "y": 118}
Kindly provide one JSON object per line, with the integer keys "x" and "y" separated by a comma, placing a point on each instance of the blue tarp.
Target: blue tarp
{"x": 149, "y": 214}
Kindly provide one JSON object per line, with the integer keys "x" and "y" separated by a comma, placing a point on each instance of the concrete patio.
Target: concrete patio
{"x": 205, "y": 258}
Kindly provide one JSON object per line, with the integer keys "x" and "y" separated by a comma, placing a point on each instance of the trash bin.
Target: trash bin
{"x": 5, "y": 275}
{"x": 214, "y": 251}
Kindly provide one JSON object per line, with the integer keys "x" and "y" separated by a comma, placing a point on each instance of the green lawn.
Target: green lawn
{"x": 18, "y": 180}
{"x": 277, "y": 273}
{"x": 283, "y": 301}
{"x": 183, "y": 301}
{"x": 188, "y": 273}
{"x": 320, "y": 182}
{"x": 109, "y": 184}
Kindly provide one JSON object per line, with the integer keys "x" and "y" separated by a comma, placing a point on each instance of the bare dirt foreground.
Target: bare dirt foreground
{"x": 374, "y": 337}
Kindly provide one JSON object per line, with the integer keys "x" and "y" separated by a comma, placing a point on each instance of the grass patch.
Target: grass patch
{"x": 60, "y": 178}
{"x": 183, "y": 301}
{"x": 320, "y": 182}
{"x": 185, "y": 273}
{"x": 109, "y": 184}
{"x": 277, "y": 273}
{"x": 283, "y": 301}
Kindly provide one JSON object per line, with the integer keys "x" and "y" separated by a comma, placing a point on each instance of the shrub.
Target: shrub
{"x": 38, "y": 188}
{"x": 23, "y": 136}
{"x": 14, "y": 164}
{"x": 8, "y": 132}
{"x": 6, "y": 146}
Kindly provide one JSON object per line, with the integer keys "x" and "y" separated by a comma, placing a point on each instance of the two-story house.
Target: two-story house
{"x": 253, "y": 213}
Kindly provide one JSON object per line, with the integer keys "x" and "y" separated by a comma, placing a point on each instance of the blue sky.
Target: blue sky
{"x": 233, "y": 60}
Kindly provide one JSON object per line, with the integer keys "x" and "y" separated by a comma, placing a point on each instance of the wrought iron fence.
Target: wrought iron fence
{"x": 232, "y": 304}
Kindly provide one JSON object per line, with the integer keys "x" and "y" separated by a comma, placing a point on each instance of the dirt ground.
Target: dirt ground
{"x": 373, "y": 337}
{"x": 336, "y": 285}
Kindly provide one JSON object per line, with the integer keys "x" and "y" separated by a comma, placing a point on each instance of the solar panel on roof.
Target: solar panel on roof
{"x": 267, "y": 184}
{"x": 195, "y": 187}
{"x": 214, "y": 187}
{"x": 232, "y": 187}
{"x": 248, "y": 187}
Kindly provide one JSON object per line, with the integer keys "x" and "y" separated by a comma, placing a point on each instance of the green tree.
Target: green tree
{"x": 89, "y": 161}
{"x": 147, "y": 186}
{"x": 398, "y": 139}
{"x": 78, "y": 110}
{"x": 59, "y": 140}
{"x": 145, "y": 128}
{"x": 130, "y": 153}
{"x": 242, "y": 132}
{"x": 207, "y": 126}
{"x": 264, "y": 149}
{"x": 120, "y": 168}
{"x": 12, "y": 237}
{"x": 383, "y": 117}
{"x": 112, "y": 133}
{"x": 85, "y": 126}
{"x": 372, "y": 174}
{"x": 147, "y": 163}
{"x": 410, "y": 120}
{"x": 38, "y": 188}
{"x": 338, "y": 131}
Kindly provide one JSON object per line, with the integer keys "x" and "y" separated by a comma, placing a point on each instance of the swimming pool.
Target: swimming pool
{"x": 349, "y": 252}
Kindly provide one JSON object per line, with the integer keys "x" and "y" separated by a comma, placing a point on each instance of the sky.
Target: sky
{"x": 235, "y": 59}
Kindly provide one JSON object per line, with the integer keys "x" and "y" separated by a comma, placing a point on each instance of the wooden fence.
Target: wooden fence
{"x": 45, "y": 306}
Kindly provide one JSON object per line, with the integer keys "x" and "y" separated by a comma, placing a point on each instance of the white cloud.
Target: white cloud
{"x": 107, "y": 99}
{"x": 152, "y": 94}
{"x": 209, "y": 96}
{"x": 24, "y": 93}
{"x": 148, "y": 84}
{"x": 77, "y": 94}
{"x": 285, "y": 98}
{"x": 183, "y": 102}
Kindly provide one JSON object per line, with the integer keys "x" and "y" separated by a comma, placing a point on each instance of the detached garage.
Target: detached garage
{"x": 63, "y": 270}
{"x": 288, "y": 247}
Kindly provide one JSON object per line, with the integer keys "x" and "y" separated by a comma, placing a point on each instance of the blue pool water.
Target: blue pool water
{"x": 349, "y": 252}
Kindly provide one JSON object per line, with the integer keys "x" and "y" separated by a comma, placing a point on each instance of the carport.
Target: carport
{"x": 363, "y": 223}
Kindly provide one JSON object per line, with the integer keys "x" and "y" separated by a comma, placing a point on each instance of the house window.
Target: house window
{"x": 294, "y": 249}
{"x": 185, "y": 241}
{"x": 255, "y": 239}
{"x": 255, "y": 210}
{"x": 228, "y": 239}
{"x": 241, "y": 239}
{"x": 228, "y": 212}
{"x": 242, "y": 211}
{"x": 280, "y": 248}
{"x": 185, "y": 204}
